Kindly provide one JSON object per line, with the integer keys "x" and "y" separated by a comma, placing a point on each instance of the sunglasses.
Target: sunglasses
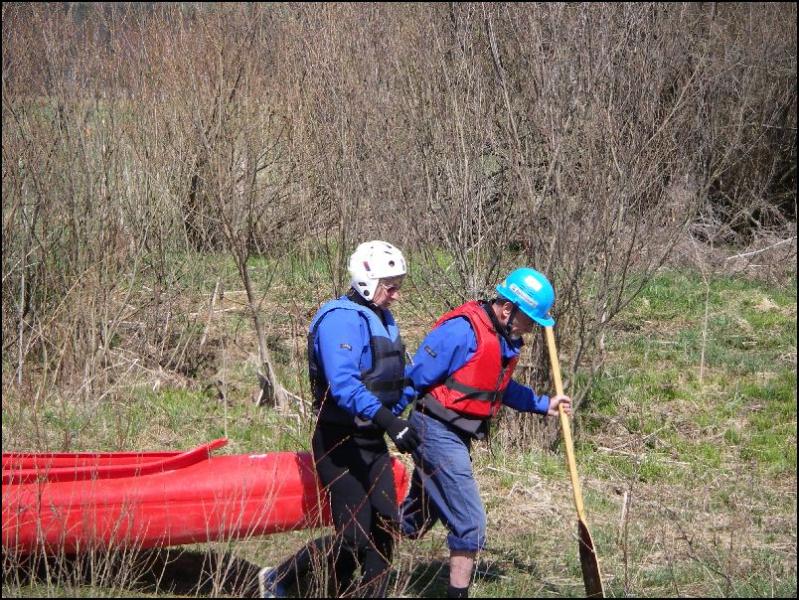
{"x": 391, "y": 288}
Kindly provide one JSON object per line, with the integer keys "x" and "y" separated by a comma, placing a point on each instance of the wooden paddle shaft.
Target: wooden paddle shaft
{"x": 564, "y": 422}
{"x": 588, "y": 560}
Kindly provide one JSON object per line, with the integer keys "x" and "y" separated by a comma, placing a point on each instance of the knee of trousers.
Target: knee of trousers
{"x": 468, "y": 537}
{"x": 362, "y": 547}
{"x": 357, "y": 541}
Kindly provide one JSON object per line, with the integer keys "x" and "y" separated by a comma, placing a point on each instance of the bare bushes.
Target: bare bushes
{"x": 141, "y": 136}
{"x": 581, "y": 140}
{"x": 66, "y": 243}
{"x": 231, "y": 135}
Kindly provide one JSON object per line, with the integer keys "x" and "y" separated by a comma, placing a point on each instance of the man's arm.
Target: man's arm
{"x": 341, "y": 342}
{"x": 445, "y": 350}
{"x": 522, "y": 398}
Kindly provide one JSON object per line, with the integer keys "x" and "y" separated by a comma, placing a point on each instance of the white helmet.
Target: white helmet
{"x": 371, "y": 262}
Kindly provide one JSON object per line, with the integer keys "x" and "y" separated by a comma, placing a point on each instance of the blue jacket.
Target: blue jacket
{"x": 447, "y": 348}
{"x": 342, "y": 338}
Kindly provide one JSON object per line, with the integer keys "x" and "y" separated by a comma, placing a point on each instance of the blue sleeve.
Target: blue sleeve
{"x": 342, "y": 344}
{"x": 408, "y": 395}
{"x": 445, "y": 350}
{"x": 523, "y": 399}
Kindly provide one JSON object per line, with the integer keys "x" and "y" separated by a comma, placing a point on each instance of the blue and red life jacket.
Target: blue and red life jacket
{"x": 475, "y": 390}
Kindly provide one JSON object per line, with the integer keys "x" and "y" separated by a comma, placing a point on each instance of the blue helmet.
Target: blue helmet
{"x": 531, "y": 292}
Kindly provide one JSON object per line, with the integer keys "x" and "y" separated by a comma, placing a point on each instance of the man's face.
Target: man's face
{"x": 521, "y": 325}
{"x": 388, "y": 291}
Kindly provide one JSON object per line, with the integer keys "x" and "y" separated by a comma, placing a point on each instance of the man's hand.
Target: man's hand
{"x": 555, "y": 401}
{"x": 401, "y": 431}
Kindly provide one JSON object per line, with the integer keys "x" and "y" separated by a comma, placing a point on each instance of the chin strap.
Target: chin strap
{"x": 358, "y": 299}
{"x": 512, "y": 316}
{"x": 353, "y": 295}
{"x": 503, "y": 330}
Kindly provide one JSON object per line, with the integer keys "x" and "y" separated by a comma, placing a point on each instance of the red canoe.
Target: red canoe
{"x": 70, "y": 502}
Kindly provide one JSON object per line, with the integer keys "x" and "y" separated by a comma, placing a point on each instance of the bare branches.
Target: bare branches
{"x": 579, "y": 139}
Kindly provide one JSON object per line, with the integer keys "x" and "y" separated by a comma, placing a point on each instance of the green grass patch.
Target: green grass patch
{"x": 697, "y": 425}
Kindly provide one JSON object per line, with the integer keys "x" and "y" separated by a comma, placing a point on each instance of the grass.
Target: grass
{"x": 686, "y": 443}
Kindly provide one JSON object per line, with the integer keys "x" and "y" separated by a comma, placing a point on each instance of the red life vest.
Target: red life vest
{"x": 475, "y": 390}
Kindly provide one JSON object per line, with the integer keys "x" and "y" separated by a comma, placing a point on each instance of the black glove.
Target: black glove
{"x": 404, "y": 435}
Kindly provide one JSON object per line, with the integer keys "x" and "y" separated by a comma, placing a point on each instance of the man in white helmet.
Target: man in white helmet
{"x": 356, "y": 362}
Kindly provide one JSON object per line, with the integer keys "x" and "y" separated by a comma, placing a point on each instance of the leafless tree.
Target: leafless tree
{"x": 582, "y": 140}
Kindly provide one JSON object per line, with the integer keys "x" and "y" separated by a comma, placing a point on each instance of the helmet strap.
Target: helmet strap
{"x": 353, "y": 295}
{"x": 503, "y": 330}
{"x": 512, "y": 316}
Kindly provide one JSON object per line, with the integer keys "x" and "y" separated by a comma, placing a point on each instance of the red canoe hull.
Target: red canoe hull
{"x": 131, "y": 503}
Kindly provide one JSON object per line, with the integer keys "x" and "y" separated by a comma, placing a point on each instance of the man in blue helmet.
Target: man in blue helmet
{"x": 462, "y": 375}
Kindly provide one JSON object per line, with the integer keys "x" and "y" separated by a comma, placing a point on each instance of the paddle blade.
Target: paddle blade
{"x": 588, "y": 562}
